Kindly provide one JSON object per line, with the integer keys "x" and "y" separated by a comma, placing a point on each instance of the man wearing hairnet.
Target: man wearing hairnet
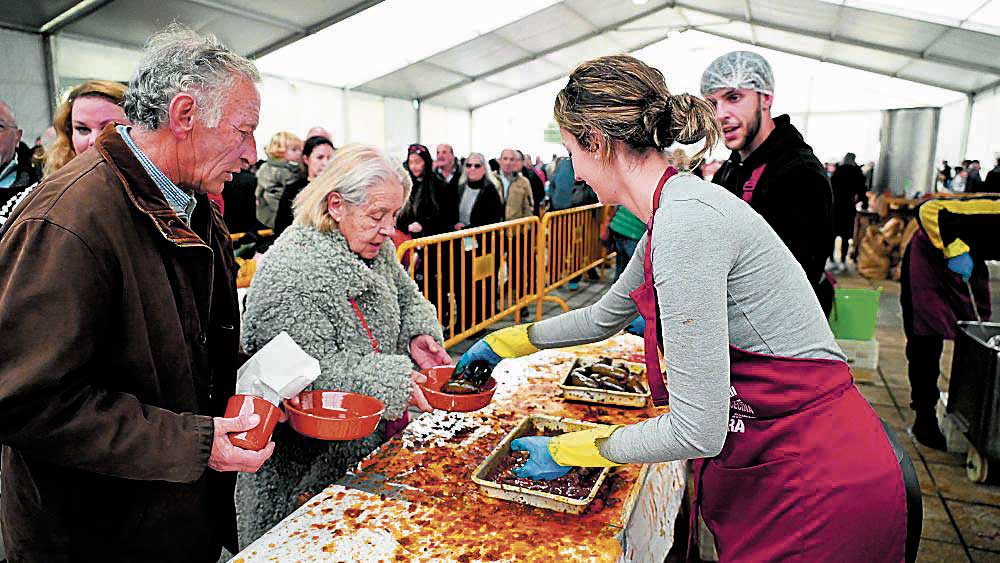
{"x": 771, "y": 167}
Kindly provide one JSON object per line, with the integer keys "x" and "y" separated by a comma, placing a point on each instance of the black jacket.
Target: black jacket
{"x": 456, "y": 178}
{"x": 488, "y": 208}
{"x": 432, "y": 204}
{"x": 537, "y": 187}
{"x": 848, "y": 182}
{"x": 793, "y": 194}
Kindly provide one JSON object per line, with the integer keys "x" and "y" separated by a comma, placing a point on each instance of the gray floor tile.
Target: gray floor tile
{"x": 937, "y": 525}
{"x": 981, "y": 556}
{"x": 979, "y": 524}
{"x": 954, "y": 485}
{"x": 935, "y": 552}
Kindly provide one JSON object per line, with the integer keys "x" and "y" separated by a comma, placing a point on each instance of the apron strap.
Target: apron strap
{"x": 651, "y": 341}
{"x": 751, "y": 184}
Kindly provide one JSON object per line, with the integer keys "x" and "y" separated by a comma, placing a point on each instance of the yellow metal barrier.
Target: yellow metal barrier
{"x": 570, "y": 245}
{"x": 475, "y": 277}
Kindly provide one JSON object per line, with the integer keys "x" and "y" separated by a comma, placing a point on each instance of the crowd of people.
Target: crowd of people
{"x": 968, "y": 178}
{"x": 122, "y": 331}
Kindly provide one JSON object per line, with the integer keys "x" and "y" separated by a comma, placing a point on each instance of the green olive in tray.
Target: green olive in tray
{"x": 605, "y": 374}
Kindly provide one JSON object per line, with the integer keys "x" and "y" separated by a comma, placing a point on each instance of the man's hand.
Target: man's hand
{"x": 227, "y": 457}
{"x": 415, "y": 227}
{"x": 427, "y": 353}
{"x": 417, "y": 398}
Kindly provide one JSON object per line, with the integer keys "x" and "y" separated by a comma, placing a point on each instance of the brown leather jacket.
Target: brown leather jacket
{"x": 518, "y": 203}
{"x": 119, "y": 339}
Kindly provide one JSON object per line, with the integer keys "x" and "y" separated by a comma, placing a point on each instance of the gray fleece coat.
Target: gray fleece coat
{"x": 302, "y": 287}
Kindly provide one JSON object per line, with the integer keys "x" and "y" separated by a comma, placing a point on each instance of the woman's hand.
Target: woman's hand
{"x": 415, "y": 227}
{"x": 417, "y": 398}
{"x": 459, "y": 226}
{"x": 427, "y": 353}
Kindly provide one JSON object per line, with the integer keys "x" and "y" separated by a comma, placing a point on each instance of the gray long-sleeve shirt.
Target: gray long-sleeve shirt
{"x": 722, "y": 277}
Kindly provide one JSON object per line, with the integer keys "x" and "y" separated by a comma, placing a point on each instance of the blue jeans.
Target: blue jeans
{"x": 625, "y": 247}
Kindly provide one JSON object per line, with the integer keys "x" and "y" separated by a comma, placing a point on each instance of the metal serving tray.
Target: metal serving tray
{"x": 527, "y": 496}
{"x": 606, "y": 397}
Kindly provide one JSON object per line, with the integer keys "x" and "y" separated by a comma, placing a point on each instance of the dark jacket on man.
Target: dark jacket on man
{"x": 119, "y": 333}
{"x": 537, "y": 188}
{"x": 454, "y": 181}
{"x": 992, "y": 182}
{"x": 848, "y": 183}
{"x": 12, "y": 195}
{"x": 793, "y": 195}
{"x": 488, "y": 208}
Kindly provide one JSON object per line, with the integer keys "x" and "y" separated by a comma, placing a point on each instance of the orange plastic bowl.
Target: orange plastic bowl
{"x": 438, "y": 376}
{"x": 335, "y": 415}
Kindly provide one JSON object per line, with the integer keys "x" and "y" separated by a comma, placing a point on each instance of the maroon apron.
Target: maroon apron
{"x": 933, "y": 297}
{"x": 807, "y": 472}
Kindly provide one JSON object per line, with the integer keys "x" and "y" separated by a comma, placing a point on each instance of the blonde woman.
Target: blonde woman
{"x": 283, "y": 168}
{"x": 333, "y": 283}
{"x": 81, "y": 118}
{"x": 792, "y": 464}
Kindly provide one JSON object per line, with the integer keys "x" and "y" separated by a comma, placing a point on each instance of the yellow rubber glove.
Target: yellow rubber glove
{"x": 510, "y": 342}
{"x": 580, "y": 448}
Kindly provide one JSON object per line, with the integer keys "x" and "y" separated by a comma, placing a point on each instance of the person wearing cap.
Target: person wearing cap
{"x": 771, "y": 166}
{"x": 943, "y": 279}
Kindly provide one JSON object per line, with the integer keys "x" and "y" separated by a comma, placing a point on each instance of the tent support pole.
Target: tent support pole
{"x": 970, "y": 99}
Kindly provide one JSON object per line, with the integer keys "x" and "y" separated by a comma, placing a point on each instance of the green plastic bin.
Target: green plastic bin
{"x": 855, "y": 313}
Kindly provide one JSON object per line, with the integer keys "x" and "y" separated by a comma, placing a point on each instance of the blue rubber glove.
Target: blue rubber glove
{"x": 480, "y": 351}
{"x": 961, "y": 265}
{"x": 637, "y": 327}
{"x": 510, "y": 342}
{"x": 540, "y": 465}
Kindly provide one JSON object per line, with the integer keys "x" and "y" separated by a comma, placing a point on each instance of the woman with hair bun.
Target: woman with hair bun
{"x": 792, "y": 463}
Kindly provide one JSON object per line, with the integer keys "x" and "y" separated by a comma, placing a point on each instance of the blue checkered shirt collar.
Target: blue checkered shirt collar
{"x": 182, "y": 203}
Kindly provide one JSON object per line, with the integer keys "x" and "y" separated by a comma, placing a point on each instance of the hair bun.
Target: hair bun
{"x": 691, "y": 128}
{"x": 656, "y": 120}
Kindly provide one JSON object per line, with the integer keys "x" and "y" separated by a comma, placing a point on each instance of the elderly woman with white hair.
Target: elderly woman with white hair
{"x": 333, "y": 283}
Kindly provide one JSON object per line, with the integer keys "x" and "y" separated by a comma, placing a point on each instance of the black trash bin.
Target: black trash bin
{"x": 974, "y": 396}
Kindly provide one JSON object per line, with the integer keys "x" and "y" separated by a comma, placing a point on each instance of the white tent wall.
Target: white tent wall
{"x": 400, "y": 124}
{"x": 833, "y": 134}
{"x": 445, "y": 125}
{"x": 984, "y": 137}
{"x": 289, "y": 105}
{"x": 517, "y": 122}
{"x": 949, "y": 141}
{"x": 79, "y": 60}
{"x": 23, "y": 86}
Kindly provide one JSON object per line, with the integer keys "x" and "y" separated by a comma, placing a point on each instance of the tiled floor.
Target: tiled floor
{"x": 961, "y": 518}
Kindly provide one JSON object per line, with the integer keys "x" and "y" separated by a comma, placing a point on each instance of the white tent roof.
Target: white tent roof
{"x": 252, "y": 28}
{"x": 952, "y": 47}
{"x": 471, "y": 53}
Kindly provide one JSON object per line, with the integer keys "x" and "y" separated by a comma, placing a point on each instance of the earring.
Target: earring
{"x": 595, "y": 157}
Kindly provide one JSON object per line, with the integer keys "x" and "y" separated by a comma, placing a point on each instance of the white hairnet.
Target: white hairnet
{"x": 740, "y": 70}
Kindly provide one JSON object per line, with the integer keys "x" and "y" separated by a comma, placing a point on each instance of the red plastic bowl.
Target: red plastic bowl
{"x": 256, "y": 438}
{"x": 335, "y": 415}
{"x": 438, "y": 376}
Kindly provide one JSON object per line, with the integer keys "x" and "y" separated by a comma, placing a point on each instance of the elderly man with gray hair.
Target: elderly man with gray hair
{"x": 119, "y": 326}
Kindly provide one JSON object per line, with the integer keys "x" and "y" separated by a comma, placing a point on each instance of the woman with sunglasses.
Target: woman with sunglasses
{"x": 479, "y": 204}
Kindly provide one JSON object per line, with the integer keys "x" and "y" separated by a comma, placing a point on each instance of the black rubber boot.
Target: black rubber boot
{"x": 926, "y": 431}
